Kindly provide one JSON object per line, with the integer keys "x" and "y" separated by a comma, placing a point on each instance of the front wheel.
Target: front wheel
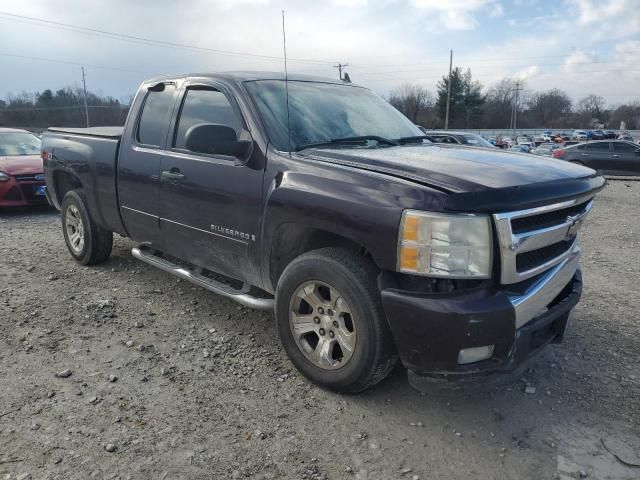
{"x": 331, "y": 322}
{"x": 88, "y": 243}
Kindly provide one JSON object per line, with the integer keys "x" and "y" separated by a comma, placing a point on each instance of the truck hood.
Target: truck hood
{"x": 455, "y": 168}
{"x": 21, "y": 165}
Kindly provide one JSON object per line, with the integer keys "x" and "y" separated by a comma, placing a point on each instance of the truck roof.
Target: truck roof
{"x": 245, "y": 76}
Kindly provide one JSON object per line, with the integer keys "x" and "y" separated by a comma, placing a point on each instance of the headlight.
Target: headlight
{"x": 4, "y": 177}
{"x": 442, "y": 245}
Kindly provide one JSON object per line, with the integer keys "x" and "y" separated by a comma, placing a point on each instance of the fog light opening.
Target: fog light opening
{"x": 476, "y": 354}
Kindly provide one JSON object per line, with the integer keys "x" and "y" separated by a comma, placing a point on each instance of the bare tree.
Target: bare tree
{"x": 412, "y": 100}
{"x": 590, "y": 109}
{"x": 498, "y": 108}
{"x": 550, "y": 109}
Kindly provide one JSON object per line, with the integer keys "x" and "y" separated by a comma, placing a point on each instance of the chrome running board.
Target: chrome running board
{"x": 240, "y": 296}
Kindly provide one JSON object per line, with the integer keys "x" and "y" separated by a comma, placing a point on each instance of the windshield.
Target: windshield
{"x": 19, "y": 143}
{"x": 477, "y": 140}
{"x": 322, "y": 112}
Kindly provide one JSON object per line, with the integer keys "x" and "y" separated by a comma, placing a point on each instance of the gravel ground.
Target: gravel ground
{"x": 168, "y": 381}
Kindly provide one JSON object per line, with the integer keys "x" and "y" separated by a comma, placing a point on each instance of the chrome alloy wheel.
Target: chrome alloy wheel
{"x": 75, "y": 228}
{"x": 322, "y": 325}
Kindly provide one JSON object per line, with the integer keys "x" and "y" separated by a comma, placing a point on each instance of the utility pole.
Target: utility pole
{"x": 86, "y": 108}
{"x": 446, "y": 118}
{"x": 515, "y": 107}
{"x": 340, "y": 66}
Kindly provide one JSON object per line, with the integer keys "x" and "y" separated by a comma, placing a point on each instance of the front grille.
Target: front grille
{"x": 547, "y": 219}
{"x": 534, "y": 240}
{"x": 25, "y": 178}
{"x": 534, "y": 258}
{"x": 13, "y": 195}
{"x": 29, "y": 193}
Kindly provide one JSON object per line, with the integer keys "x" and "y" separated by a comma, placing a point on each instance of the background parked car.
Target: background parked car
{"x": 461, "y": 138}
{"x": 521, "y": 148}
{"x": 611, "y": 134}
{"x": 21, "y": 173}
{"x": 579, "y": 135}
{"x": 610, "y": 157}
{"x": 545, "y": 149}
{"x": 625, "y": 136}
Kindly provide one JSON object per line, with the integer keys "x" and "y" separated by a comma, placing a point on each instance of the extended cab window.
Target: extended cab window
{"x": 153, "y": 120}
{"x": 205, "y": 105}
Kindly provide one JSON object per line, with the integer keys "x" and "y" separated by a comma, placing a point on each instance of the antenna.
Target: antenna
{"x": 286, "y": 80}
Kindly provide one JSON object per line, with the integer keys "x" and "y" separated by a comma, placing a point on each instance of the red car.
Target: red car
{"x": 21, "y": 173}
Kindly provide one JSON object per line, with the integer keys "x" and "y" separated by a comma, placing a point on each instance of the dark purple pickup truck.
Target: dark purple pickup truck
{"x": 330, "y": 208}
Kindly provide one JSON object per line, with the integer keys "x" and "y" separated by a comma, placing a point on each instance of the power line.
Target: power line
{"x": 68, "y": 62}
{"x": 465, "y": 61}
{"x": 63, "y": 107}
{"x": 143, "y": 40}
{"x": 487, "y": 67}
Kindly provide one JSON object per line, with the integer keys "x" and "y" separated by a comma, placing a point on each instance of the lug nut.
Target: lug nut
{"x": 331, "y": 334}
{"x": 335, "y": 324}
{"x": 320, "y": 310}
{"x": 316, "y": 320}
{"x": 321, "y": 331}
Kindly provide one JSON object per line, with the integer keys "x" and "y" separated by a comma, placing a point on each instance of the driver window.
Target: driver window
{"x": 205, "y": 105}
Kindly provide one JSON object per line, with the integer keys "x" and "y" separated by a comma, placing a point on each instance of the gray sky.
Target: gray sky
{"x": 581, "y": 46}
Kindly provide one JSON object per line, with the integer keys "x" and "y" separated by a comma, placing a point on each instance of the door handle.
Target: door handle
{"x": 616, "y": 156}
{"x": 584, "y": 154}
{"x": 173, "y": 174}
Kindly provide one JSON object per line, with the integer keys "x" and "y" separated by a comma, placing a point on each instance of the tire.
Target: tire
{"x": 88, "y": 243}
{"x": 330, "y": 296}
{"x": 577, "y": 162}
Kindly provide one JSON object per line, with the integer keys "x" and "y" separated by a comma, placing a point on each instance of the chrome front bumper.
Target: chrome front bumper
{"x": 537, "y": 297}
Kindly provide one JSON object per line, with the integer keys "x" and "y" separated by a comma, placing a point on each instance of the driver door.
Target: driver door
{"x": 209, "y": 204}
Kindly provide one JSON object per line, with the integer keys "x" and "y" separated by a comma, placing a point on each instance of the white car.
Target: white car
{"x": 579, "y": 135}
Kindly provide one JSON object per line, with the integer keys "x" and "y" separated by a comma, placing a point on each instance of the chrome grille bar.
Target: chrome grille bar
{"x": 512, "y": 244}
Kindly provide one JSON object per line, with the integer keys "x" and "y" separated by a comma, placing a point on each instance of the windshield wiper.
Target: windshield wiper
{"x": 413, "y": 139}
{"x": 360, "y": 140}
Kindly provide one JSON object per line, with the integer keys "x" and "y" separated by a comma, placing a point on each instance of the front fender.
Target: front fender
{"x": 364, "y": 207}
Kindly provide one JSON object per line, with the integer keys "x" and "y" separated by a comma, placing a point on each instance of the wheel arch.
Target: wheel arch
{"x": 291, "y": 240}
{"x": 63, "y": 182}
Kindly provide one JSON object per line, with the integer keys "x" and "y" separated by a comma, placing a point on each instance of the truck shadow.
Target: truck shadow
{"x": 36, "y": 210}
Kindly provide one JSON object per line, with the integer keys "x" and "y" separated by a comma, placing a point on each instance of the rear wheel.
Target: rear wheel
{"x": 88, "y": 243}
{"x": 331, "y": 322}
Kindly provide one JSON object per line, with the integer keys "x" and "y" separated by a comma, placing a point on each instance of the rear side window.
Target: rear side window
{"x": 597, "y": 147}
{"x": 205, "y": 105}
{"x": 620, "y": 147}
{"x": 153, "y": 120}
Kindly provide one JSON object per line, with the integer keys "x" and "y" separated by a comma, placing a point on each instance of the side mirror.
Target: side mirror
{"x": 216, "y": 139}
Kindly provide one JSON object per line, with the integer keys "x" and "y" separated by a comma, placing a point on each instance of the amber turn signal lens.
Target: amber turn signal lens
{"x": 410, "y": 228}
{"x": 409, "y": 258}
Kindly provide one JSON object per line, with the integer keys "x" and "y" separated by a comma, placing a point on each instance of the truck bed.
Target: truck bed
{"x": 88, "y": 157}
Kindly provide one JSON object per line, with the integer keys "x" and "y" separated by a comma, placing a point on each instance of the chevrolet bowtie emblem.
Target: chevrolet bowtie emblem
{"x": 574, "y": 225}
